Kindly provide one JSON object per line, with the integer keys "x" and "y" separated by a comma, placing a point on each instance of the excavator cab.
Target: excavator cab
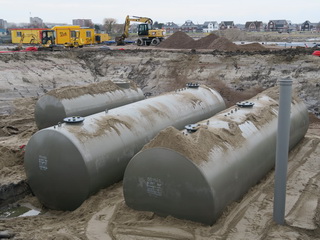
{"x": 48, "y": 38}
{"x": 143, "y": 29}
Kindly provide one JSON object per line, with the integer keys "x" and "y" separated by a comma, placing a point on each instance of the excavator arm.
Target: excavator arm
{"x": 120, "y": 39}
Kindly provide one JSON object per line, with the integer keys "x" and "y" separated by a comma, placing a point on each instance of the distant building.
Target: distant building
{"x": 256, "y": 26}
{"x": 3, "y": 24}
{"x": 83, "y": 22}
{"x": 189, "y": 27}
{"x": 170, "y": 27}
{"x": 308, "y": 26}
{"x": 51, "y": 25}
{"x": 278, "y": 26}
{"x": 210, "y": 26}
{"x": 226, "y": 25}
{"x": 36, "y": 22}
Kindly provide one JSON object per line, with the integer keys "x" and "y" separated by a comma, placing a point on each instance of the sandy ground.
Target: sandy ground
{"x": 105, "y": 214}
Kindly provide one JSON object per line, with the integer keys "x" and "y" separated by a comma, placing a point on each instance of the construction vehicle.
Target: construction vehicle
{"x": 74, "y": 40}
{"x": 147, "y": 35}
{"x": 68, "y": 36}
{"x": 48, "y": 41}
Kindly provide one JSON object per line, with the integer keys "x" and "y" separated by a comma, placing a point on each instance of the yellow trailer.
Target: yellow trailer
{"x": 64, "y": 34}
{"x": 26, "y": 35}
{"x": 87, "y": 35}
{"x": 102, "y": 37}
{"x": 73, "y": 36}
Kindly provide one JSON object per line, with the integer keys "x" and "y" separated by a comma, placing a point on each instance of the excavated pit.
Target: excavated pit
{"x": 237, "y": 74}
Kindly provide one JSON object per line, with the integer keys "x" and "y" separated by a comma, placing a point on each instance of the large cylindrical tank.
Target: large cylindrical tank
{"x": 66, "y": 164}
{"x": 60, "y": 103}
{"x": 195, "y": 174}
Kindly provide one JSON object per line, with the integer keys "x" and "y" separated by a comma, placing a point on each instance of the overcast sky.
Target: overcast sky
{"x": 239, "y": 11}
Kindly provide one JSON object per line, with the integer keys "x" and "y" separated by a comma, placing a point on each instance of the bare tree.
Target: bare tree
{"x": 108, "y": 24}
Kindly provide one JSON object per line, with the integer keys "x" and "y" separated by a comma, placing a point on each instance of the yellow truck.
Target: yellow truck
{"x": 68, "y": 36}
{"x": 73, "y": 36}
{"x": 27, "y": 35}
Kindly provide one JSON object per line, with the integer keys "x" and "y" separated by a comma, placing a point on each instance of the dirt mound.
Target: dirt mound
{"x": 205, "y": 42}
{"x": 181, "y": 40}
{"x": 223, "y": 44}
{"x": 178, "y": 40}
{"x": 252, "y": 47}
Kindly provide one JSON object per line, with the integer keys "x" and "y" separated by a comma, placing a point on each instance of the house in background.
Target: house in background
{"x": 226, "y": 25}
{"x": 170, "y": 27}
{"x": 210, "y": 26}
{"x": 308, "y": 26}
{"x": 189, "y": 27}
{"x": 278, "y": 26}
{"x": 256, "y": 26}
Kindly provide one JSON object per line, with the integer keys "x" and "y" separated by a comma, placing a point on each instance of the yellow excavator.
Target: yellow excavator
{"x": 48, "y": 41}
{"x": 147, "y": 35}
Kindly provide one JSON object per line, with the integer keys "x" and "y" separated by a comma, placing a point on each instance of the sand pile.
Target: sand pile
{"x": 223, "y": 44}
{"x": 205, "y": 42}
{"x": 180, "y": 40}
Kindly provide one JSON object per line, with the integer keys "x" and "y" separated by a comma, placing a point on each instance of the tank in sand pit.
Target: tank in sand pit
{"x": 70, "y": 101}
{"x": 68, "y": 163}
{"x": 195, "y": 175}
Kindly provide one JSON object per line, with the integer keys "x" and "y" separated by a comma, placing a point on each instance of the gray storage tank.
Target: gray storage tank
{"x": 66, "y": 164}
{"x": 194, "y": 174}
{"x": 60, "y": 103}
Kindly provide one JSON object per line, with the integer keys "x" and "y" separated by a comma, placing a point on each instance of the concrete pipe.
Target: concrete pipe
{"x": 67, "y": 163}
{"x": 196, "y": 173}
{"x": 69, "y": 101}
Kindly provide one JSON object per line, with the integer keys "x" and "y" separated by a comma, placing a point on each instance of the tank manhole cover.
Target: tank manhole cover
{"x": 76, "y": 119}
{"x": 193, "y": 85}
{"x": 245, "y": 104}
